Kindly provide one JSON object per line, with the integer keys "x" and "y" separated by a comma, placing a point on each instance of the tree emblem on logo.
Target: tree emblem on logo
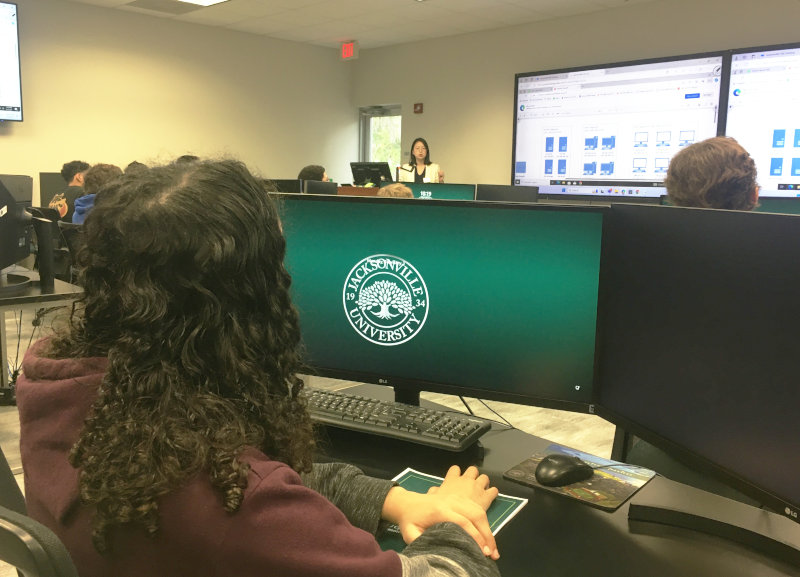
{"x": 385, "y": 294}
{"x": 385, "y": 299}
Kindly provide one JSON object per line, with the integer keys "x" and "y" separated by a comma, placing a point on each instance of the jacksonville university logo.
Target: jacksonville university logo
{"x": 385, "y": 299}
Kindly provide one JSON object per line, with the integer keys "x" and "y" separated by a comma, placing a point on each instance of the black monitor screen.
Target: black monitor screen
{"x": 698, "y": 340}
{"x": 320, "y": 187}
{"x": 294, "y": 185}
{"x": 489, "y": 300}
{"x": 50, "y": 184}
{"x": 14, "y": 239}
{"x": 507, "y": 193}
{"x": 764, "y": 115}
{"x": 611, "y": 130}
{"x": 20, "y": 186}
{"x": 10, "y": 78}
{"x": 375, "y": 173}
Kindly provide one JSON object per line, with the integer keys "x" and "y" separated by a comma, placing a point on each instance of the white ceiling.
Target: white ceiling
{"x": 372, "y": 23}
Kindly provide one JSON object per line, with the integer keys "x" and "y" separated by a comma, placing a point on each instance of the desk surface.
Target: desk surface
{"x": 553, "y": 535}
{"x": 30, "y": 298}
{"x": 33, "y": 294}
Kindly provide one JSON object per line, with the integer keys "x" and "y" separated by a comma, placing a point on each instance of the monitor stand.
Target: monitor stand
{"x": 768, "y": 533}
{"x": 12, "y": 285}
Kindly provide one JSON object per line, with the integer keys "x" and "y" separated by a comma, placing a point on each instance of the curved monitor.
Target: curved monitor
{"x": 489, "y": 300}
{"x": 697, "y": 341}
{"x": 611, "y": 130}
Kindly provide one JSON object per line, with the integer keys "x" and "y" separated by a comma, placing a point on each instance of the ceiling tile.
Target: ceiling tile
{"x": 373, "y": 23}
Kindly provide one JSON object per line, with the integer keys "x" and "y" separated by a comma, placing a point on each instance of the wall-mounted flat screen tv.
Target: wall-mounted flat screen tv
{"x": 10, "y": 77}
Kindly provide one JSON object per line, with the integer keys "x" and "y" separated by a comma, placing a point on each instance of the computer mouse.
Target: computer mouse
{"x": 557, "y": 470}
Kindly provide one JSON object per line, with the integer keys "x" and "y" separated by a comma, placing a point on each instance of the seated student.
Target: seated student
{"x": 419, "y": 167}
{"x": 313, "y": 172}
{"x": 95, "y": 179}
{"x": 713, "y": 173}
{"x": 396, "y": 190}
{"x": 64, "y": 201}
{"x": 163, "y": 432}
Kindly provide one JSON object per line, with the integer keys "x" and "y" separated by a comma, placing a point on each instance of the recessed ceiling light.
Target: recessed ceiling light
{"x": 203, "y": 2}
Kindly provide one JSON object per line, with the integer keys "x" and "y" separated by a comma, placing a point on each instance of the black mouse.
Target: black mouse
{"x": 557, "y": 470}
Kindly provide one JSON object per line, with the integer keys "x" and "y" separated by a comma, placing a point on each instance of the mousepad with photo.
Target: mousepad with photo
{"x": 609, "y": 487}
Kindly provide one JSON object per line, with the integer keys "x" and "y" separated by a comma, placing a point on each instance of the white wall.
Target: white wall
{"x": 110, "y": 86}
{"x": 467, "y": 82}
{"x": 103, "y": 85}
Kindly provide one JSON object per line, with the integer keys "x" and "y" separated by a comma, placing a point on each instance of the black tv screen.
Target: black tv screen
{"x": 764, "y": 117}
{"x": 611, "y": 130}
{"x": 10, "y": 77}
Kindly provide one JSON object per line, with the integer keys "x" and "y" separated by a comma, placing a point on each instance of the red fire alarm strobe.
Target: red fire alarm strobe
{"x": 349, "y": 50}
{"x": 418, "y": 108}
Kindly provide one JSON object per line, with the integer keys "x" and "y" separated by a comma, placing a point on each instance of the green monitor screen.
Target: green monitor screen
{"x": 442, "y": 191}
{"x": 479, "y": 299}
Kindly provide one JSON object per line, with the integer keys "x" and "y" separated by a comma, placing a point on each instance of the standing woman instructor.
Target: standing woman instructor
{"x": 419, "y": 167}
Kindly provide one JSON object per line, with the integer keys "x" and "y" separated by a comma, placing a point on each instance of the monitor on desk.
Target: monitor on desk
{"x": 50, "y": 184}
{"x": 697, "y": 341}
{"x": 320, "y": 187}
{"x": 294, "y": 185}
{"x": 488, "y": 300}
{"x": 506, "y": 193}
{"x": 14, "y": 240}
{"x": 374, "y": 173}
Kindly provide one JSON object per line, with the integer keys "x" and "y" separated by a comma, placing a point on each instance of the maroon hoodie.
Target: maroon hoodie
{"x": 283, "y": 527}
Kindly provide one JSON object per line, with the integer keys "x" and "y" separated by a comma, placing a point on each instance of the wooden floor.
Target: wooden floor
{"x": 587, "y": 433}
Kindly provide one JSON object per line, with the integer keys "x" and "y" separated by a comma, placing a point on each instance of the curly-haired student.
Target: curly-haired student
{"x": 164, "y": 433}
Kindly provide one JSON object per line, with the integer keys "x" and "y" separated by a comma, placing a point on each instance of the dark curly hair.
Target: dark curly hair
{"x": 713, "y": 173}
{"x": 187, "y": 296}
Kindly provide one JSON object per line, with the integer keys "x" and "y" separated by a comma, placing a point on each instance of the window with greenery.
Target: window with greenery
{"x": 380, "y": 134}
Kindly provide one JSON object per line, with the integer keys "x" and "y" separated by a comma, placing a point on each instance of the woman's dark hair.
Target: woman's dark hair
{"x": 311, "y": 172}
{"x": 713, "y": 173}
{"x": 187, "y": 296}
{"x": 413, "y": 161}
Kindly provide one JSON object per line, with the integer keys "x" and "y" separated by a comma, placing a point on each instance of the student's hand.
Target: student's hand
{"x": 441, "y": 176}
{"x": 471, "y": 484}
{"x": 460, "y": 502}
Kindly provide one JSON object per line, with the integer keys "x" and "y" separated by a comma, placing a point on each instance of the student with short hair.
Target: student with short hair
{"x": 713, "y": 173}
{"x": 64, "y": 201}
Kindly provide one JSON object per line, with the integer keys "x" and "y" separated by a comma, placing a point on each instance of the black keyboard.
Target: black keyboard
{"x": 435, "y": 428}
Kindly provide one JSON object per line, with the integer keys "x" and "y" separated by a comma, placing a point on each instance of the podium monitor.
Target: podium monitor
{"x": 374, "y": 173}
